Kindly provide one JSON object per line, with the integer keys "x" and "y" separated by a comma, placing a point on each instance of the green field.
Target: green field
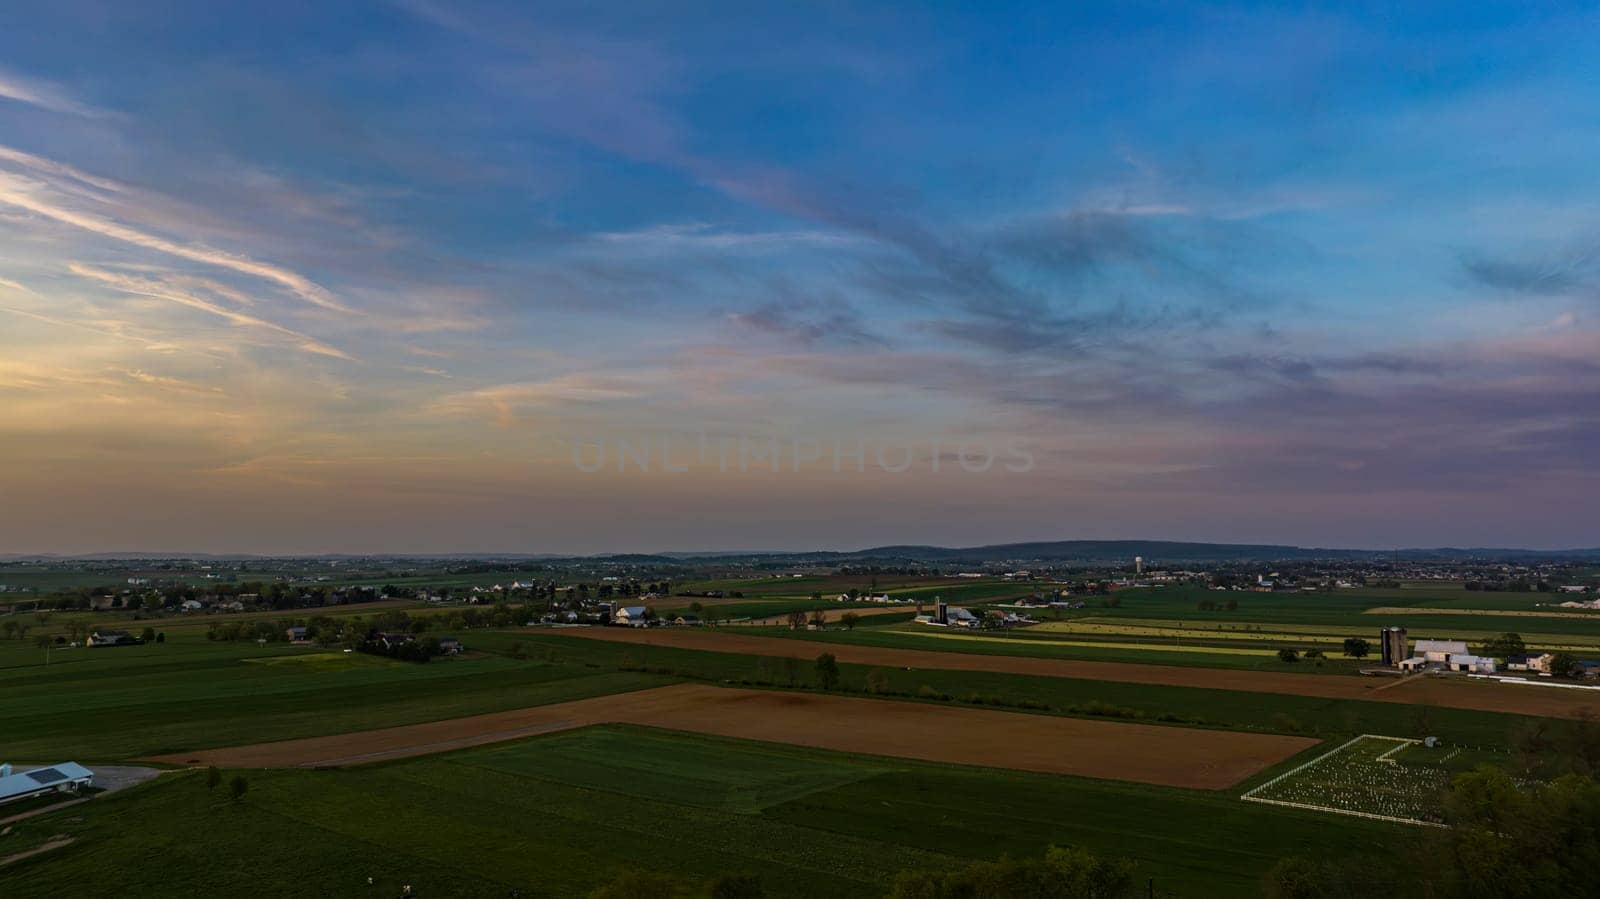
{"x": 555, "y": 816}
{"x": 1190, "y": 706}
{"x": 188, "y": 693}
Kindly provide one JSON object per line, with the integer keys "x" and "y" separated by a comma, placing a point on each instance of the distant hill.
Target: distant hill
{"x": 1158, "y": 551}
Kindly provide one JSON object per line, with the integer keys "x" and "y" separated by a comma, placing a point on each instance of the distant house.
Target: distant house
{"x": 296, "y": 634}
{"x": 687, "y": 621}
{"x": 192, "y": 605}
{"x": 110, "y": 638}
{"x": 392, "y": 641}
{"x": 1541, "y": 662}
{"x": 632, "y": 616}
{"x": 1517, "y": 663}
{"x": 67, "y": 777}
{"x": 449, "y": 645}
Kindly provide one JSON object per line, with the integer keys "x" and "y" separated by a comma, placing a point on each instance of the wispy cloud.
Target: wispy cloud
{"x": 22, "y": 194}
{"x": 157, "y": 289}
{"x": 45, "y": 95}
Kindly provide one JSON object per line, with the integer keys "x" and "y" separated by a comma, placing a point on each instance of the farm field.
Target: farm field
{"x": 1429, "y": 691}
{"x": 1328, "y": 638}
{"x": 1114, "y": 750}
{"x": 1187, "y": 705}
{"x": 123, "y": 702}
{"x": 559, "y": 814}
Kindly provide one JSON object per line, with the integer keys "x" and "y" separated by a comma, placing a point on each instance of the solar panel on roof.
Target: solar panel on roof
{"x": 46, "y": 775}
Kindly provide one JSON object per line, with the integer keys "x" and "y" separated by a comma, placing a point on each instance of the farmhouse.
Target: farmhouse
{"x": 109, "y": 638}
{"x": 449, "y": 645}
{"x": 67, "y": 777}
{"x": 392, "y": 641}
{"x": 296, "y": 634}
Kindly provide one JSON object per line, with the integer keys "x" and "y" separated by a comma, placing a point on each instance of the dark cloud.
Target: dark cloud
{"x": 1575, "y": 271}
{"x": 808, "y": 324}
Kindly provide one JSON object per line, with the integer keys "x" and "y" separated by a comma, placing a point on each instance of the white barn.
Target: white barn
{"x": 1440, "y": 651}
{"x": 67, "y": 777}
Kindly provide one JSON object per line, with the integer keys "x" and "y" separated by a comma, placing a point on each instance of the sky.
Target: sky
{"x": 506, "y": 277}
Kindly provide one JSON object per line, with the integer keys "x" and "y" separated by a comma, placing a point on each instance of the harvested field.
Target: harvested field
{"x": 1447, "y": 692}
{"x": 1169, "y": 756}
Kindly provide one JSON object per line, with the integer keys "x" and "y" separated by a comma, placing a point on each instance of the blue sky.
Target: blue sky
{"x": 1312, "y": 275}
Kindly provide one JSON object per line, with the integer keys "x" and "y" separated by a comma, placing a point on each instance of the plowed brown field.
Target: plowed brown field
{"x": 1448, "y": 692}
{"x": 1170, "y": 756}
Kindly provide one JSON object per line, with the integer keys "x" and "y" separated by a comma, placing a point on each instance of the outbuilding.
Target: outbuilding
{"x": 67, "y": 777}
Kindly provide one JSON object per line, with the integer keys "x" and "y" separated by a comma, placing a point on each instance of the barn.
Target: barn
{"x": 67, "y": 777}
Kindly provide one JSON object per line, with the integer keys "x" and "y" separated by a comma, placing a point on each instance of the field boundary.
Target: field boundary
{"x": 1401, "y": 743}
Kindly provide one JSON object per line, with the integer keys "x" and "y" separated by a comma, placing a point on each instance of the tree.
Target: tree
{"x": 161, "y": 637}
{"x": 1060, "y": 874}
{"x": 849, "y": 620}
{"x": 737, "y": 886}
{"x": 213, "y": 778}
{"x": 1356, "y": 648}
{"x": 641, "y": 885}
{"x": 1507, "y": 644}
{"x": 148, "y": 635}
{"x": 1565, "y": 664}
{"x": 877, "y": 681}
{"x": 1293, "y": 878}
{"x": 1507, "y": 838}
{"x": 238, "y": 787}
{"x": 827, "y": 671}
{"x": 1288, "y": 655}
{"x": 797, "y": 620}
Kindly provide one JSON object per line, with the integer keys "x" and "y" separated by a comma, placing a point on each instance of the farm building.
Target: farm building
{"x": 67, "y": 777}
{"x": 109, "y": 638}
{"x": 946, "y": 615}
{"x": 1470, "y": 664}
{"x": 632, "y": 616}
{"x": 296, "y": 634}
{"x": 1413, "y": 664}
{"x": 449, "y": 645}
{"x": 1392, "y": 645}
{"x": 1440, "y": 651}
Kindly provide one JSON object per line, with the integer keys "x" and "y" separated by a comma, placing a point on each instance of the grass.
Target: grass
{"x": 555, "y": 816}
{"x": 1193, "y": 706}
{"x": 1045, "y": 646}
{"x": 190, "y": 693}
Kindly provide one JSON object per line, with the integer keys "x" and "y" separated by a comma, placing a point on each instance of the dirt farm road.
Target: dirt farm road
{"x": 1446, "y": 692}
{"x": 1145, "y": 753}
